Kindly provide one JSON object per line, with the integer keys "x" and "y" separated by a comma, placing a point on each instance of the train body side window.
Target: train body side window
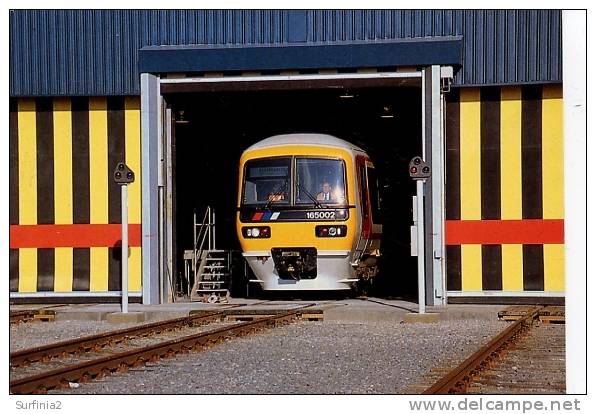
{"x": 373, "y": 190}
{"x": 363, "y": 191}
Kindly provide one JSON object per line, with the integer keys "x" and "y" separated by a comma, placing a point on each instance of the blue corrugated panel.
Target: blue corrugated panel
{"x": 500, "y": 46}
{"x": 96, "y": 52}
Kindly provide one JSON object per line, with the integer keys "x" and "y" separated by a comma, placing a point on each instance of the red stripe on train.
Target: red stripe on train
{"x": 257, "y": 216}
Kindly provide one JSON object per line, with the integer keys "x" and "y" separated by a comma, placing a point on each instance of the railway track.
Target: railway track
{"x": 58, "y": 365}
{"x": 46, "y": 313}
{"x": 22, "y": 316}
{"x": 526, "y": 357}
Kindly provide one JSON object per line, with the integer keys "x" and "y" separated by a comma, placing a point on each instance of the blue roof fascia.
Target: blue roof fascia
{"x": 400, "y": 52}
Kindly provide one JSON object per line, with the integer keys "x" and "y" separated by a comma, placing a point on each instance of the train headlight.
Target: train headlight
{"x": 262, "y": 232}
{"x": 331, "y": 231}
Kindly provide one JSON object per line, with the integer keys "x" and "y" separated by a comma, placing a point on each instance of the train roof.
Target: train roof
{"x": 305, "y": 139}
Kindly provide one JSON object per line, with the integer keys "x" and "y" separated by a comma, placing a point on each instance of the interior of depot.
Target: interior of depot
{"x": 210, "y": 130}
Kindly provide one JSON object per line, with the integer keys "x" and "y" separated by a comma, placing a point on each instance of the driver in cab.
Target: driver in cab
{"x": 276, "y": 197}
{"x": 278, "y": 194}
{"x": 328, "y": 194}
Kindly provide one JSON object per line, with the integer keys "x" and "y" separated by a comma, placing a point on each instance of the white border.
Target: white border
{"x": 574, "y": 116}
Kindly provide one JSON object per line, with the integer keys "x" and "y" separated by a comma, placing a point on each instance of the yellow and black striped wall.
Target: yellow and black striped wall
{"x": 504, "y": 199}
{"x": 65, "y": 209}
{"x": 504, "y": 225}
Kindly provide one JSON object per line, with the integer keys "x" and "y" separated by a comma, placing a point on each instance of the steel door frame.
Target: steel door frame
{"x": 155, "y": 134}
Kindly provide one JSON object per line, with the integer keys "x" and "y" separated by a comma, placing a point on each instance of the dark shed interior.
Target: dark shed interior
{"x": 212, "y": 129}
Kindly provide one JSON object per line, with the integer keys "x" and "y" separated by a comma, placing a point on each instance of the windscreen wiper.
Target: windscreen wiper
{"x": 312, "y": 197}
{"x": 278, "y": 193}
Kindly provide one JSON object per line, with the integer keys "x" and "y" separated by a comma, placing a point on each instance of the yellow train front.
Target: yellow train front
{"x": 308, "y": 213}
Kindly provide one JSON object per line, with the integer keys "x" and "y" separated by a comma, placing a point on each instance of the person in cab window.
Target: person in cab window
{"x": 278, "y": 193}
{"x": 327, "y": 194}
{"x": 273, "y": 197}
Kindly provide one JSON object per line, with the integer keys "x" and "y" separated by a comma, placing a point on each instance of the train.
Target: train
{"x": 308, "y": 213}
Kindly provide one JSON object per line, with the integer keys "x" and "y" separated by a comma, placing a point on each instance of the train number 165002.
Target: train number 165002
{"x": 320, "y": 215}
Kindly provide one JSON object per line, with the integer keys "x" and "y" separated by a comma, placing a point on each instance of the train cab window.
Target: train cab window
{"x": 267, "y": 181}
{"x": 320, "y": 180}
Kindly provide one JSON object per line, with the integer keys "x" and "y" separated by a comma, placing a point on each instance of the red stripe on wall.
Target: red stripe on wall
{"x": 72, "y": 235}
{"x": 504, "y": 232}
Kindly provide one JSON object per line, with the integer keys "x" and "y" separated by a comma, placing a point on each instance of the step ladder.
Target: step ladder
{"x": 212, "y": 281}
{"x": 211, "y": 266}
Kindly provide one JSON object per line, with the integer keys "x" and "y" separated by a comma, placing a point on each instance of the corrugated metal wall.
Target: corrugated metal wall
{"x": 95, "y": 52}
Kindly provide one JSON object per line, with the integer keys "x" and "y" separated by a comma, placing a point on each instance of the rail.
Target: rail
{"x": 41, "y": 353}
{"x": 21, "y": 316}
{"x": 456, "y": 381}
{"x": 89, "y": 369}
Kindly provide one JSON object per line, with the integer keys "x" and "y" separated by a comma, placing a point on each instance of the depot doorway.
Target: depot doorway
{"x": 375, "y": 110}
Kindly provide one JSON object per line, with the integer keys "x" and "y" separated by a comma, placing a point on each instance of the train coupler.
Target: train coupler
{"x": 295, "y": 263}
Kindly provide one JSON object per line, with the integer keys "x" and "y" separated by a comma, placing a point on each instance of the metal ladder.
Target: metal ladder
{"x": 211, "y": 267}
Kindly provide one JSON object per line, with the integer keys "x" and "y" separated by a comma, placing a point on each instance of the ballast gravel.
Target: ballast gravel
{"x": 309, "y": 358}
{"x": 28, "y": 335}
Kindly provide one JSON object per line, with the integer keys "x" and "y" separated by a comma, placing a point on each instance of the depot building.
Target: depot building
{"x": 177, "y": 95}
